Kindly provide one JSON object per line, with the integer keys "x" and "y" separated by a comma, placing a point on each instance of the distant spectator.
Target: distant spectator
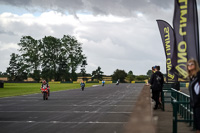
{"x": 194, "y": 89}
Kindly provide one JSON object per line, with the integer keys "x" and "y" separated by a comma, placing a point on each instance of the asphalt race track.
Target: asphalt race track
{"x": 96, "y": 110}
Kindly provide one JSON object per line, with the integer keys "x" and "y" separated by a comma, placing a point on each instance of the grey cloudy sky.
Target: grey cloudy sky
{"x": 115, "y": 34}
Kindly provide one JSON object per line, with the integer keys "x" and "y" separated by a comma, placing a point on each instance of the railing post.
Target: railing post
{"x": 185, "y": 109}
{"x": 193, "y": 119}
{"x": 172, "y": 95}
{"x": 181, "y": 105}
{"x": 163, "y": 100}
{"x": 174, "y": 103}
{"x": 178, "y": 99}
{"x": 190, "y": 114}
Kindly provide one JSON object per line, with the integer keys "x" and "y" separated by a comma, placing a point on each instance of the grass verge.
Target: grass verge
{"x": 17, "y": 89}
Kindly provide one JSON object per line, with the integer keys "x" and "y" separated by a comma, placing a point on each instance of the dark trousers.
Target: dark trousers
{"x": 155, "y": 96}
{"x": 196, "y": 111}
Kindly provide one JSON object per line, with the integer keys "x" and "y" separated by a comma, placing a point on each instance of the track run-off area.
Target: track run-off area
{"x": 99, "y": 109}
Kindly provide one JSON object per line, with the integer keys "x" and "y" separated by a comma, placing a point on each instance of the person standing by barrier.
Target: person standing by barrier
{"x": 194, "y": 89}
{"x": 160, "y": 95}
{"x": 148, "y": 83}
{"x": 156, "y": 82}
{"x": 153, "y": 69}
{"x": 152, "y": 72}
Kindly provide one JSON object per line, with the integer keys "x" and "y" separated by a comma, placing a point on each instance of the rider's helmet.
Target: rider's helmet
{"x": 44, "y": 82}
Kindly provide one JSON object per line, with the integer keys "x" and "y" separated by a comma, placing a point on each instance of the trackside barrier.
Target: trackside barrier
{"x": 56, "y": 82}
{"x": 166, "y": 95}
{"x": 181, "y": 106}
{"x": 140, "y": 82}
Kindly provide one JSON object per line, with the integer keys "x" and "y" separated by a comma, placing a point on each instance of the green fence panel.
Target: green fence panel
{"x": 181, "y": 106}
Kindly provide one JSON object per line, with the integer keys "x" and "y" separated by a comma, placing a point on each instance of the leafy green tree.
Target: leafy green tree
{"x": 3, "y": 74}
{"x": 119, "y": 74}
{"x": 74, "y": 54}
{"x": 63, "y": 73}
{"x": 83, "y": 74}
{"x": 47, "y": 57}
{"x": 36, "y": 75}
{"x": 130, "y": 77}
{"x": 58, "y": 52}
{"x": 50, "y": 49}
{"x": 12, "y": 69}
{"x": 47, "y": 74}
{"x": 149, "y": 73}
{"x": 97, "y": 74}
{"x": 142, "y": 77}
{"x": 83, "y": 70}
{"x": 30, "y": 49}
{"x": 17, "y": 71}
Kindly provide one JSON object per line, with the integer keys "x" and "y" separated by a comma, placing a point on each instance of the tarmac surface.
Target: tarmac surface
{"x": 95, "y": 110}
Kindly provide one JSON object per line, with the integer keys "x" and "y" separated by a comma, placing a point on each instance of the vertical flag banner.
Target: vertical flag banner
{"x": 167, "y": 35}
{"x": 186, "y": 31}
{"x": 196, "y": 28}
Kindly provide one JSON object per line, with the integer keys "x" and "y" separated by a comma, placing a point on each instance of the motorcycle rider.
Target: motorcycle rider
{"x": 46, "y": 85}
{"x": 117, "y": 82}
{"x": 103, "y": 82}
{"x": 82, "y": 85}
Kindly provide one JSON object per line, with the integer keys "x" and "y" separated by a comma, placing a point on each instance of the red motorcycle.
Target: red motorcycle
{"x": 45, "y": 93}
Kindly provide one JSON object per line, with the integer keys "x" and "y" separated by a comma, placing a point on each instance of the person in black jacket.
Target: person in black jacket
{"x": 156, "y": 82}
{"x": 152, "y": 72}
{"x": 194, "y": 89}
{"x": 148, "y": 83}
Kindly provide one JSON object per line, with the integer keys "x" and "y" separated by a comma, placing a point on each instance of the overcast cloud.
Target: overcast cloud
{"x": 115, "y": 34}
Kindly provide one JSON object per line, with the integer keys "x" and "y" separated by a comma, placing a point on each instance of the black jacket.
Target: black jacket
{"x": 156, "y": 81}
{"x": 194, "y": 98}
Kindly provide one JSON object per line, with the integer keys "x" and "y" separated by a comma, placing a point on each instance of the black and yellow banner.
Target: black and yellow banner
{"x": 186, "y": 31}
{"x": 167, "y": 35}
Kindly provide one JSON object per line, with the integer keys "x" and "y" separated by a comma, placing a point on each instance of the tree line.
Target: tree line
{"x": 55, "y": 58}
{"x": 48, "y": 58}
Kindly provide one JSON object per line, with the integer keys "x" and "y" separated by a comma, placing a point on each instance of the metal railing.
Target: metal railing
{"x": 181, "y": 106}
{"x": 166, "y": 95}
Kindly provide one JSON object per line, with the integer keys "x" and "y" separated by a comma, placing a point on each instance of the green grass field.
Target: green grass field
{"x": 17, "y": 89}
